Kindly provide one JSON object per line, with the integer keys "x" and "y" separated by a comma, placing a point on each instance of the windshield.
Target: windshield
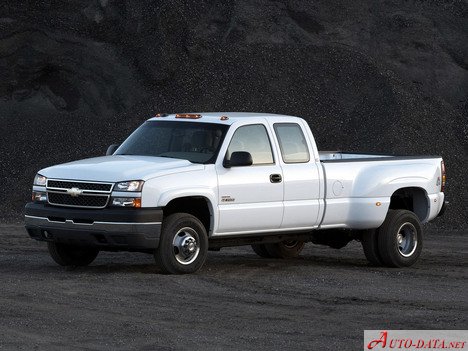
{"x": 192, "y": 141}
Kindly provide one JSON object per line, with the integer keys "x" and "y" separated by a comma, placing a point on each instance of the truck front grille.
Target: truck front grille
{"x": 78, "y": 193}
{"x": 80, "y": 201}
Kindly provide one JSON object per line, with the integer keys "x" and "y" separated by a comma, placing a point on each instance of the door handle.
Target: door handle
{"x": 275, "y": 178}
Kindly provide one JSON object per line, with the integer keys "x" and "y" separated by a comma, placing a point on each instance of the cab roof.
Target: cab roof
{"x": 218, "y": 117}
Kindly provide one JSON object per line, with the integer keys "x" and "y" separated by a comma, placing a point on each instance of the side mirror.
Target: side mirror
{"x": 239, "y": 159}
{"x": 111, "y": 149}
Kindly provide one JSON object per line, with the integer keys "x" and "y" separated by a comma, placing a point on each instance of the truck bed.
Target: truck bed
{"x": 358, "y": 187}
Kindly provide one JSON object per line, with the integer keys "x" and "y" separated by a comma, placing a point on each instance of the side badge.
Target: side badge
{"x": 227, "y": 199}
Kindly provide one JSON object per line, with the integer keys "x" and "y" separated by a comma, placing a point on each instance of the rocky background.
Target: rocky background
{"x": 377, "y": 76}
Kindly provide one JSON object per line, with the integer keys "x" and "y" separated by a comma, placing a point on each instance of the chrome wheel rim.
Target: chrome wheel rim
{"x": 407, "y": 239}
{"x": 185, "y": 246}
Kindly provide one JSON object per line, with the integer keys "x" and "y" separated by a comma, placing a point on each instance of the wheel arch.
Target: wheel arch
{"x": 414, "y": 199}
{"x": 198, "y": 206}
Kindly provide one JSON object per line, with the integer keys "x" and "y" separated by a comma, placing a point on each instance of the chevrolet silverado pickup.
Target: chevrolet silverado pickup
{"x": 183, "y": 184}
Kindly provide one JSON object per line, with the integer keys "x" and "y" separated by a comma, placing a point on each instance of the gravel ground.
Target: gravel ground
{"x": 320, "y": 301}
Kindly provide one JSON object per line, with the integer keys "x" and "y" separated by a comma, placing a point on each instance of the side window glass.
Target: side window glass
{"x": 253, "y": 139}
{"x": 292, "y": 143}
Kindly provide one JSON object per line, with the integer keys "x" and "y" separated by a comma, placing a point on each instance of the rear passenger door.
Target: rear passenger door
{"x": 250, "y": 197}
{"x": 301, "y": 177}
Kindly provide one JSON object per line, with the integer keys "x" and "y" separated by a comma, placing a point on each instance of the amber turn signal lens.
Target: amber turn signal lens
{"x": 137, "y": 203}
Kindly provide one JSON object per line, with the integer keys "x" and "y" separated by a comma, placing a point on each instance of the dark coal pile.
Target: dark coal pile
{"x": 387, "y": 77}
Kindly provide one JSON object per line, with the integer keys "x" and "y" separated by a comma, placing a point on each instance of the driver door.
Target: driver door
{"x": 250, "y": 197}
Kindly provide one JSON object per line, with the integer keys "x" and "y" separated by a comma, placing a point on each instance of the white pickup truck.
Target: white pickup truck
{"x": 183, "y": 184}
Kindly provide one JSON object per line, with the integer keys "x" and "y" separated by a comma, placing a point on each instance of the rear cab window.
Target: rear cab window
{"x": 292, "y": 142}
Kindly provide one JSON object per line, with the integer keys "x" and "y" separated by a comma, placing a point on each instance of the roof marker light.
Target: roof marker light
{"x": 161, "y": 115}
{"x": 188, "y": 115}
{"x": 224, "y": 118}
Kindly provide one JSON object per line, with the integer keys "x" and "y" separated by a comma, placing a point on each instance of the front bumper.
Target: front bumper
{"x": 111, "y": 229}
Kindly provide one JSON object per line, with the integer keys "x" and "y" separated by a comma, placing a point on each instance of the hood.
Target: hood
{"x": 117, "y": 168}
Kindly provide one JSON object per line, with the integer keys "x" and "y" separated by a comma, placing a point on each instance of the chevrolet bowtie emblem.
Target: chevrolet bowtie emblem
{"x": 74, "y": 192}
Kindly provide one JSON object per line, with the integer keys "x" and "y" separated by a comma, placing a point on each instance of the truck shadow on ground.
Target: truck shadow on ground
{"x": 228, "y": 263}
{"x": 303, "y": 261}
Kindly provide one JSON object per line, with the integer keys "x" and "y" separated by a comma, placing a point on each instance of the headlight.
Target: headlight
{"x": 130, "y": 185}
{"x": 40, "y": 180}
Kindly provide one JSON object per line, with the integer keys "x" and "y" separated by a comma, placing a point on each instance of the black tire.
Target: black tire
{"x": 183, "y": 245}
{"x": 371, "y": 247}
{"x": 400, "y": 239}
{"x": 261, "y": 250}
{"x": 285, "y": 249}
{"x": 69, "y": 255}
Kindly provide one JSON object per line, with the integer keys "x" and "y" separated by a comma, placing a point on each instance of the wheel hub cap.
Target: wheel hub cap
{"x": 185, "y": 246}
{"x": 407, "y": 239}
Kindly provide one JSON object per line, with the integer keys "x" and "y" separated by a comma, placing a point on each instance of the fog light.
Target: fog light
{"x": 39, "y": 196}
{"x": 126, "y": 202}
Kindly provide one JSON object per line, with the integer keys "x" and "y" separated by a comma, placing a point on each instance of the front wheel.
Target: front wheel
{"x": 70, "y": 255}
{"x": 400, "y": 239}
{"x": 183, "y": 245}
